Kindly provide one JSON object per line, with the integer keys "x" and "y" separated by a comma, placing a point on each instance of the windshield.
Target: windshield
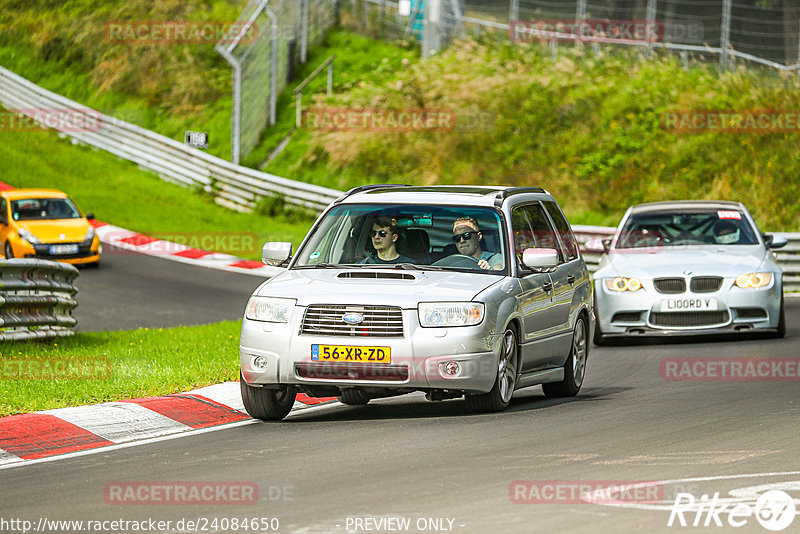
{"x": 695, "y": 227}
{"x": 374, "y": 235}
{"x": 32, "y": 209}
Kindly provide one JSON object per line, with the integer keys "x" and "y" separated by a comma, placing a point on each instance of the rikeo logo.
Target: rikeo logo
{"x": 774, "y": 510}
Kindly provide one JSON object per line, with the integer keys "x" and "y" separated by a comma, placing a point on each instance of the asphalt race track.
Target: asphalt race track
{"x": 131, "y": 290}
{"x": 335, "y": 468}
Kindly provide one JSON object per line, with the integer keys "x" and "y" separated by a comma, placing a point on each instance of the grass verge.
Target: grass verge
{"x": 140, "y": 363}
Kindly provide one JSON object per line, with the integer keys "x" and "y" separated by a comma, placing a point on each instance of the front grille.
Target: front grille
{"x": 670, "y": 285}
{"x": 379, "y": 321}
{"x": 352, "y": 371}
{"x": 751, "y": 313}
{"x": 627, "y": 317}
{"x": 678, "y": 319}
{"x": 43, "y": 251}
{"x": 705, "y": 284}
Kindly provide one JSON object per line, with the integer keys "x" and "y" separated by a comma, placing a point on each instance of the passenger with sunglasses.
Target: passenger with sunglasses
{"x": 384, "y": 240}
{"x": 467, "y": 237}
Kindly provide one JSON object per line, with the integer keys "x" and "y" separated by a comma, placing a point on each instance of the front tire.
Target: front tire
{"x": 499, "y": 397}
{"x": 574, "y": 367}
{"x": 8, "y": 251}
{"x": 781, "y": 321}
{"x": 267, "y": 404}
{"x": 353, "y": 397}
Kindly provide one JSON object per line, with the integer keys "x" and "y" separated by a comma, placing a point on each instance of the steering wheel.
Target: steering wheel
{"x": 457, "y": 260}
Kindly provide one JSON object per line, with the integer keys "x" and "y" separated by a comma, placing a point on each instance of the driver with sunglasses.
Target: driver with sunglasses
{"x": 384, "y": 240}
{"x": 467, "y": 237}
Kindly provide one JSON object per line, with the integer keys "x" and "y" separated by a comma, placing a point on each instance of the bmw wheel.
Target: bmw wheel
{"x": 499, "y": 397}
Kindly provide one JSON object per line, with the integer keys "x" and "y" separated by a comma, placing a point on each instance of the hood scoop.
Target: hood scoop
{"x": 377, "y": 274}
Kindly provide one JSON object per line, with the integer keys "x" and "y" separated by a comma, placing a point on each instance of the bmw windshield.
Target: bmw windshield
{"x": 408, "y": 236}
{"x": 687, "y": 227}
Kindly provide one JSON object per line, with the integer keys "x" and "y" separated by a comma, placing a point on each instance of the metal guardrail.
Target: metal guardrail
{"x": 788, "y": 257}
{"x": 36, "y": 299}
{"x": 234, "y": 186}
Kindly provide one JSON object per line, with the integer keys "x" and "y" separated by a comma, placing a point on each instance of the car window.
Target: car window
{"x": 3, "y": 211}
{"x": 687, "y": 227}
{"x": 31, "y": 209}
{"x": 543, "y": 232}
{"x": 564, "y": 231}
{"x": 346, "y": 235}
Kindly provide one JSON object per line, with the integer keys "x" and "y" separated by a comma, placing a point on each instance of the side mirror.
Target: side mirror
{"x": 606, "y": 244}
{"x": 276, "y": 253}
{"x": 775, "y": 241}
{"x": 540, "y": 258}
{"x": 90, "y": 216}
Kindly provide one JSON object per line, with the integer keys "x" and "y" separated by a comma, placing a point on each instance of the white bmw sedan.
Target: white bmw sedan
{"x": 688, "y": 267}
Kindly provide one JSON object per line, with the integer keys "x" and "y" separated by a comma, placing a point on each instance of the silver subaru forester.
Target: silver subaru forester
{"x": 450, "y": 290}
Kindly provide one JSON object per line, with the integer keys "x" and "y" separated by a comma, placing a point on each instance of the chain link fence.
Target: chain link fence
{"x": 273, "y": 40}
{"x": 763, "y": 31}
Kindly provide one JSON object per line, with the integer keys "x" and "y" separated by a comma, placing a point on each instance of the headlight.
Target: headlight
{"x": 89, "y": 234}
{"x": 432, "y": 314}
{"x": 28, "y": 236}
{"x": 753, "y": 280}
{"x": 269, "y": 309}
{"x": 622, "y": 283}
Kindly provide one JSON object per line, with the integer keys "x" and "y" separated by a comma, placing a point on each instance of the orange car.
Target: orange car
{"x": 46, "y": 224}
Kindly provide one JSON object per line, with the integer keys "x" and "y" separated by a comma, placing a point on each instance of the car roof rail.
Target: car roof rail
{"x": 505, "y": 193}
{"x": 368, "y": 187}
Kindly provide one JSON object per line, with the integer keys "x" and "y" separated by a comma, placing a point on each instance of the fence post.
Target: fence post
{"x": 580, "y": 17}
{"x": 726, "y": 34}
{"x": 513, "y": 12}
{"x": 651, "y": 19}
{"x": 273, "y": 68}
{"x": 304, "y": 32}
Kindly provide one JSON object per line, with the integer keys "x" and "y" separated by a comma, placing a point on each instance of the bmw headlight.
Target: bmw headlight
{"x": 622, "y": 283}
{"x": 28, "y": 236}
{"x": 89, "y": 234}
{"x": 433, "y": 314}
{"x": 753, "y": 280}
{"x": 269, "y": 309}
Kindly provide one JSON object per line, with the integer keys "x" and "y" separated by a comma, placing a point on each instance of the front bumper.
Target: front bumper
{"x": 417, "y": 358}
{"x": 641, "y": 313}
{"x": 87, "y": 252}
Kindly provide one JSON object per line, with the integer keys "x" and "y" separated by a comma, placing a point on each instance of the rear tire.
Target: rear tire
{"x": 499, "y": 397}
{"x": 353, "y": 397}
{"x": 267, "y": 404}
{"x": 574, "y": 367}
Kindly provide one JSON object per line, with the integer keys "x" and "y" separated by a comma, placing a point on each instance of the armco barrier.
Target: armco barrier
{"x": 36, "y": 299}
{"x": 235, "y": 186}
{"x": 788, "y": 257}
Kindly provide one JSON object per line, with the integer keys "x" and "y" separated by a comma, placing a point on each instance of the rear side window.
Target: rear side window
{"x": 532, "y": 229}
{"x": 564, "y": 231}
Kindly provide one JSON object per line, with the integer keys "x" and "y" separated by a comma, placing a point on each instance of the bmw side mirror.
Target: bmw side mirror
{"x": 775, "y": 240}
{"x": 540, "y": 258}
{"x": 596, "y": 246}
{"x": 276, "y": 253}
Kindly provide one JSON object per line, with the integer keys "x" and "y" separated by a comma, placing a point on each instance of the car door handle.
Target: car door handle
{"x": 547, "y": 286}
{"x": 571, "y": 279}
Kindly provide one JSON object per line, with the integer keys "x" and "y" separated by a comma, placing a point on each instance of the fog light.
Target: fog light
{"x": 450, "y": 368}
{"x": 259, "y": 363}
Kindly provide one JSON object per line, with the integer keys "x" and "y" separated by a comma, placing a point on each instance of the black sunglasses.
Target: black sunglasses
{"x": 382, "y": 233}
{"x": 466, "y": 236}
